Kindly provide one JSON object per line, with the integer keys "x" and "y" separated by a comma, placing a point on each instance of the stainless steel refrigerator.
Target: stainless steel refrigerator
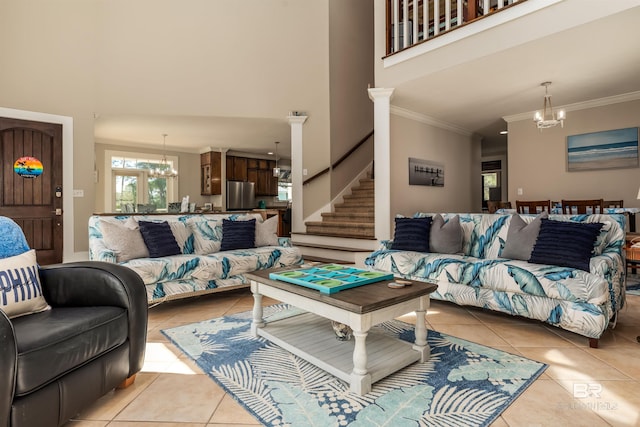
{"x": 240, "y": 195}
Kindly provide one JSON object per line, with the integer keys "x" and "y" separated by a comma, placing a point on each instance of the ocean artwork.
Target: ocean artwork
{"x": 426, "y": 172}
{"x": 603, "y": 150}
{"x": 28, "y": 167}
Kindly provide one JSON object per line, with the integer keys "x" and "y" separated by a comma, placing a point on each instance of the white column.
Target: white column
{"x": 297, "y": 217}
{"x": 381, "y": 98}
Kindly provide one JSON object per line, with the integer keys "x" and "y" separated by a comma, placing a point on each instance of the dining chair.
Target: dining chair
{"x": 585, "y": 206}
{"x": 533, "y": 206}
{"x": 613, "y": 203}
{"x": 494, "y": 205}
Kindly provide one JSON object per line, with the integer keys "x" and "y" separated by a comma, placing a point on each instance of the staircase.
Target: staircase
{"x": 348, "y": 233}
{"x": 352, "y": 218}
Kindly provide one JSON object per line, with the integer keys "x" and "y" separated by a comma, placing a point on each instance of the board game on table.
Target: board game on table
{"x": 330, "y": 278}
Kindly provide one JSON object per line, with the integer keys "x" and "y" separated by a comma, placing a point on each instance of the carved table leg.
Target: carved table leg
{"x": 421, "y": 344}
{"x": 258, "y": 321}
{"x": 360, "y": 378}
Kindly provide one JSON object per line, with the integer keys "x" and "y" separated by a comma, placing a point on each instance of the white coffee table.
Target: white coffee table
{"x": 371, "y": 355}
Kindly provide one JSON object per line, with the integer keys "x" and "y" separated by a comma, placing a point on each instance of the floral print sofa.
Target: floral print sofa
{"x": 584, "y": 302}
{"x": 200, "y": 267}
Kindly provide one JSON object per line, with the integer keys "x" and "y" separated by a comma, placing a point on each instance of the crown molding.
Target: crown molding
{"x": 600, "y": 102}
{"x": 422, "y": 118}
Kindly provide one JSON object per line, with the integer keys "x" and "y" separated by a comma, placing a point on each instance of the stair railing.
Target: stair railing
{"x": 340, "y": 160}
{"x": 410, "y": 22}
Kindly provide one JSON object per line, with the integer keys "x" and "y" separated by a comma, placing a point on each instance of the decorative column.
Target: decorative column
{"x": 381, "y": 98}
{"x": 297, "y": 215}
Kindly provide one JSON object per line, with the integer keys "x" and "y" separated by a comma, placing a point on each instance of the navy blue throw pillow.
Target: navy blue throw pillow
{"x": 566, "y": 244}
{"x": 412, "y": 234}
{"x": 238, "y": 234}
{"x": 159, "y": 239}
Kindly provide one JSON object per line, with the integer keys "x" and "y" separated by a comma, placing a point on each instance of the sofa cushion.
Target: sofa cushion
{"x": 124, "y": 239}
{"x": 412, "y": 234}
{"x": 445, "y": 237}
{"x": 73, "y": 336}
{"x": 20, "y": 288}
{"x": 267, "y": 232}
{"x": 238, "y": 234}
{"x": 565, "y": 243}
{"x": 184, "y": 236}
{"x": 159, "y": 239}
{"x": 521, "y": 237}
{"x": 207, "y": 235}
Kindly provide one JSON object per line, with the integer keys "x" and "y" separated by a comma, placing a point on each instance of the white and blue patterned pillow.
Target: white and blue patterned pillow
{"x": 207, "y": 235}
{"x": 20, "y": 288}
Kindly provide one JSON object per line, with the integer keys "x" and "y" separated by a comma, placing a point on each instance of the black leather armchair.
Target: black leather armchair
{"x": 57, "y": 362}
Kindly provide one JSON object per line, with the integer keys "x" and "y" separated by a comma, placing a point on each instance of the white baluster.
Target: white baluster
{"x": 425, "y": 18}
{"x": 416, "y": 9}
{"x": 436, "y": 17}
{"x": 405, "y": 23}
{"x": 396, "y": 25}
{"x": 447, "y": 15}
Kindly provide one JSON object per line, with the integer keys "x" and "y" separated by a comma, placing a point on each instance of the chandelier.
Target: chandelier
{"x": 276, "y": 170}
{"x": 164, "y": 169}
{"x": 546, "y": 120}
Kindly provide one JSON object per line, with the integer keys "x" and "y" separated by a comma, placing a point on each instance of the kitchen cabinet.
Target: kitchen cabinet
{"x": 236, "y": 168}
{"x": 210, "y": 173}
{"x": 258, "y": 171}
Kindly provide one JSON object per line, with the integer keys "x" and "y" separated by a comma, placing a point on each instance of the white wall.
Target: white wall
{"x": 351, "y": 71}
{"x": 254, "y": 58}
{"x": 537, "y": 160}
{"x": 460, "y": 155}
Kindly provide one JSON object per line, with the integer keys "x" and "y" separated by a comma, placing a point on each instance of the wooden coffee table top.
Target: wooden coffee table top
{"x": 362, "y": 299}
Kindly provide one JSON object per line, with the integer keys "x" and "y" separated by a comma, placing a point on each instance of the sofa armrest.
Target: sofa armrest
{"x": 99, "y": 252}
{"x": 285, "y": 242}
{"x": 95, "y": 283}
{"x": 8, "y": 364}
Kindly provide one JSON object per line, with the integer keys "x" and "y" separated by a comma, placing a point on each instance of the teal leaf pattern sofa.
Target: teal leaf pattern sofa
{"x": 579, "y": 301}
{"x": 194, "y": 272}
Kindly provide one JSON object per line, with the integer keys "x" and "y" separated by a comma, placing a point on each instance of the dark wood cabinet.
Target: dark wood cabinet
{"x": 236, "y": 168}
{"x": 258, "y": 171}
{"x": 210, "y": 173}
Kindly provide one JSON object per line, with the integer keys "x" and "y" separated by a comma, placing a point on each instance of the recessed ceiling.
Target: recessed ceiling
{"x": 193, "y": 134}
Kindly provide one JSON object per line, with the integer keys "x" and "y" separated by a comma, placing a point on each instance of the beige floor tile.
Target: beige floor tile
{"x": 109, "y": 405}
{"x": 499, "y": 422}
{"x": 528, "y": 335}
{"x": 569, "y": 363}
{"x": 443, "y": 313}
{"x": 546, "y": 403}
{"x": 479, "y": 334}
{"x": 615, "y": 401}
{"x": 231, "y": 412}
{"x": 624, "y": 358}
{"x": 150, "y": 424}
{"x": 175, "y": 398}
{"x": 82, "y": 423}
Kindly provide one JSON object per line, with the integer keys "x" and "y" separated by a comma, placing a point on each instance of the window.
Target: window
{"x": 128, "y": 184}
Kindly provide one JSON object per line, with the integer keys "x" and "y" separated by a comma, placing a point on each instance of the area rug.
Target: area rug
{"x": 462, "y": 383}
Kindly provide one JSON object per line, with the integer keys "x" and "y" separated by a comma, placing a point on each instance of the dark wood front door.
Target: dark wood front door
{"x": 31, "y": 200}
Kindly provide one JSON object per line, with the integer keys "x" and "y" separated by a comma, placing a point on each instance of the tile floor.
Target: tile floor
{"x": 581, "y": 387}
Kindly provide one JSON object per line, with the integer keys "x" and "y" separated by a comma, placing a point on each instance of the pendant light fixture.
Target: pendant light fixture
{"x": 276, "y": 170}
{"x": 546, "y": 120}
{"x": 164, "y": 169}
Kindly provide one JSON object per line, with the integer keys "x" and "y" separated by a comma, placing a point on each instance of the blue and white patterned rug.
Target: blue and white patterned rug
{"x": 462, "y": 383}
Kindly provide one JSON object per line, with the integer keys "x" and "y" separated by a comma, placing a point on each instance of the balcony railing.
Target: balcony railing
{"x": 410, "y": 22}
